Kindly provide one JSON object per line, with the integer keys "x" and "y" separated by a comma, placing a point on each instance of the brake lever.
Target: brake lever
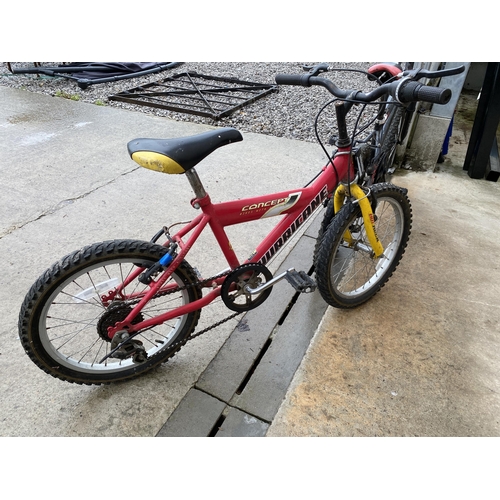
{"x": 417, "y": 74}
{"x": 317, "y": 69}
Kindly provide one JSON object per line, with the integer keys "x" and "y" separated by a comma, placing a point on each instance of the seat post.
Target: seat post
{"x": 196, "y": 184}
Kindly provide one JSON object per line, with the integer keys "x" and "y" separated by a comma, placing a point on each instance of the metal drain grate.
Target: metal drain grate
{"x": 192, "y": 93}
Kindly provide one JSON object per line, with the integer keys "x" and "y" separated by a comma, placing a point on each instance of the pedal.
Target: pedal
{"x": 301, "y": 281}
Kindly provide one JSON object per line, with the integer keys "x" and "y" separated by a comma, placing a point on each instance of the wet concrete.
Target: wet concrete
{"x": 421, "y": 358}
{"x": 78, "y": 186}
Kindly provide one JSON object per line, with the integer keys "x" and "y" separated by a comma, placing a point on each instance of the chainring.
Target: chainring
{"x": 234, "y": 292}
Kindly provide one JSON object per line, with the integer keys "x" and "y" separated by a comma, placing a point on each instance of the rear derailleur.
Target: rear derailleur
{"x": 124, "y": 347}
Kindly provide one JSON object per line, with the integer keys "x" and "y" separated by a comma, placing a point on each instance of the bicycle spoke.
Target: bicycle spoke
{"x": 69, "y": 322}
{"x": 86, "y": 351}
{"x": 72, "y": 335}
{"x": 75, "y": 298}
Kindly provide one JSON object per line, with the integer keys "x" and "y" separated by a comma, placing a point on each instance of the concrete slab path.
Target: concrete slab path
{"x": 67, "y": 181}
{"x": 420, "y": 359}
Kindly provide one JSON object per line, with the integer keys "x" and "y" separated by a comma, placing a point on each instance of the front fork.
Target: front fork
{"x": 366, "y": 210}
{"x": 352, "y": 189}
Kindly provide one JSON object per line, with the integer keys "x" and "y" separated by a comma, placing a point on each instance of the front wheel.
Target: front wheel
{"x": 65, "y": 316}
{"x": 347, "y": 273}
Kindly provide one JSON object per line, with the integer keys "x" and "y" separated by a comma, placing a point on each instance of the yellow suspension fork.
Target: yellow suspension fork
{"x": 366, "y": 211}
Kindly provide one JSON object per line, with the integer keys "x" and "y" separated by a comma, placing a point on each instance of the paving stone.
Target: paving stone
{"x": 199, "y": 411}
{"x": 229, "y": 368}
{"x": 267, "y": 387}
{"x": 195, "y": 416}
{"x": 312, "y": 230}
{"x": 240, "y": 424}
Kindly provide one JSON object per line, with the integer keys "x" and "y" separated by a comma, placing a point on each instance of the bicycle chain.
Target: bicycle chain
{"x": 206, "y": 281}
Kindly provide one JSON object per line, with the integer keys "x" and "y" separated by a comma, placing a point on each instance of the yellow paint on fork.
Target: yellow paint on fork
{"x": 338, "y": 201}
{"x": 366, "y": 211}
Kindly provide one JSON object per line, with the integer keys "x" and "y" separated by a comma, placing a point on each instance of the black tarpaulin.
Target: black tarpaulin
{"x": 91, "y": 73}
{"x": 96, "y": 70}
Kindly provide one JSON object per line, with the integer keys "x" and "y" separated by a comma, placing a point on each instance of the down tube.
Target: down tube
{"x": 285, "y": 229}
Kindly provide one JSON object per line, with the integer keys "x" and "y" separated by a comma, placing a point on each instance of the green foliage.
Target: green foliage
{"x": 65, "y": 95}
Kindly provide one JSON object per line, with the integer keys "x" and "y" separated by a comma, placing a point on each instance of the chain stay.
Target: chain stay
{"x": 183, "y": 342}
{"x": 211, "y": 327}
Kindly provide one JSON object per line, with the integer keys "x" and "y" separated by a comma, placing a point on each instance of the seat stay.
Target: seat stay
{"x": 197, "y": 225}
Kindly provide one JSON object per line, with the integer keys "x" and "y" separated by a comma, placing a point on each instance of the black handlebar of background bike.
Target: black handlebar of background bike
{"x": 405, "y": 90}
{"x": 416, "y": 74}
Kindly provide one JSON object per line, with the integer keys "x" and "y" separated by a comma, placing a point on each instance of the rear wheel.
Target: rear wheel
{"x": 64, "y": 319}
{"x": 347, "y": 273}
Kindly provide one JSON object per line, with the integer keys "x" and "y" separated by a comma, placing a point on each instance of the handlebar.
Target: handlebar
{"x": 412, "y": 91}
{"x": 405, "y": 90}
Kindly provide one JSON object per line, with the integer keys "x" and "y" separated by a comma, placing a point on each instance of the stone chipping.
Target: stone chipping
{"x": 288, "y": 113}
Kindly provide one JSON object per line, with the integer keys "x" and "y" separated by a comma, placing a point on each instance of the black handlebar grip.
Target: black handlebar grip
{"x": 411, "y": 91}
{"x": 301, "y": 80}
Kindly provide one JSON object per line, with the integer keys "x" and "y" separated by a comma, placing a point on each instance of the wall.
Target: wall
{"x": 431, "y": 124}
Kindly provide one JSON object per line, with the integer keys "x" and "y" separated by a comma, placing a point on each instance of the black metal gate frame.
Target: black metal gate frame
{"x": 196, "y": 94}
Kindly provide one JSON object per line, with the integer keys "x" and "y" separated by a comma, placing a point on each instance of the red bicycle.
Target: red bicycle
{"x": 116, "y": 309}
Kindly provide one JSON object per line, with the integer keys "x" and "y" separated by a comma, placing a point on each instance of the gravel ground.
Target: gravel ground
{"x": 288, "y": 113}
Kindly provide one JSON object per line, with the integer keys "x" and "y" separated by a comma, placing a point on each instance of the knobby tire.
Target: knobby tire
{"x": 63, "y": 323}
{"x": 346, "y": 273}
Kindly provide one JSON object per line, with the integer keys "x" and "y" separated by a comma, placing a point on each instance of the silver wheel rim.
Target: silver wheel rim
{"x": 353, "y": 271}
{"x": 68, "y": 324}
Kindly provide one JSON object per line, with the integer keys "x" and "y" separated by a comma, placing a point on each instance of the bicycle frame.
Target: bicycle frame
{"x": 296, "y": 206}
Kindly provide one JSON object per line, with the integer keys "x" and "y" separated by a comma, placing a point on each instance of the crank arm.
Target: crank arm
{"x": 299, "y": 280}
{"x": 268, "y": 284}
